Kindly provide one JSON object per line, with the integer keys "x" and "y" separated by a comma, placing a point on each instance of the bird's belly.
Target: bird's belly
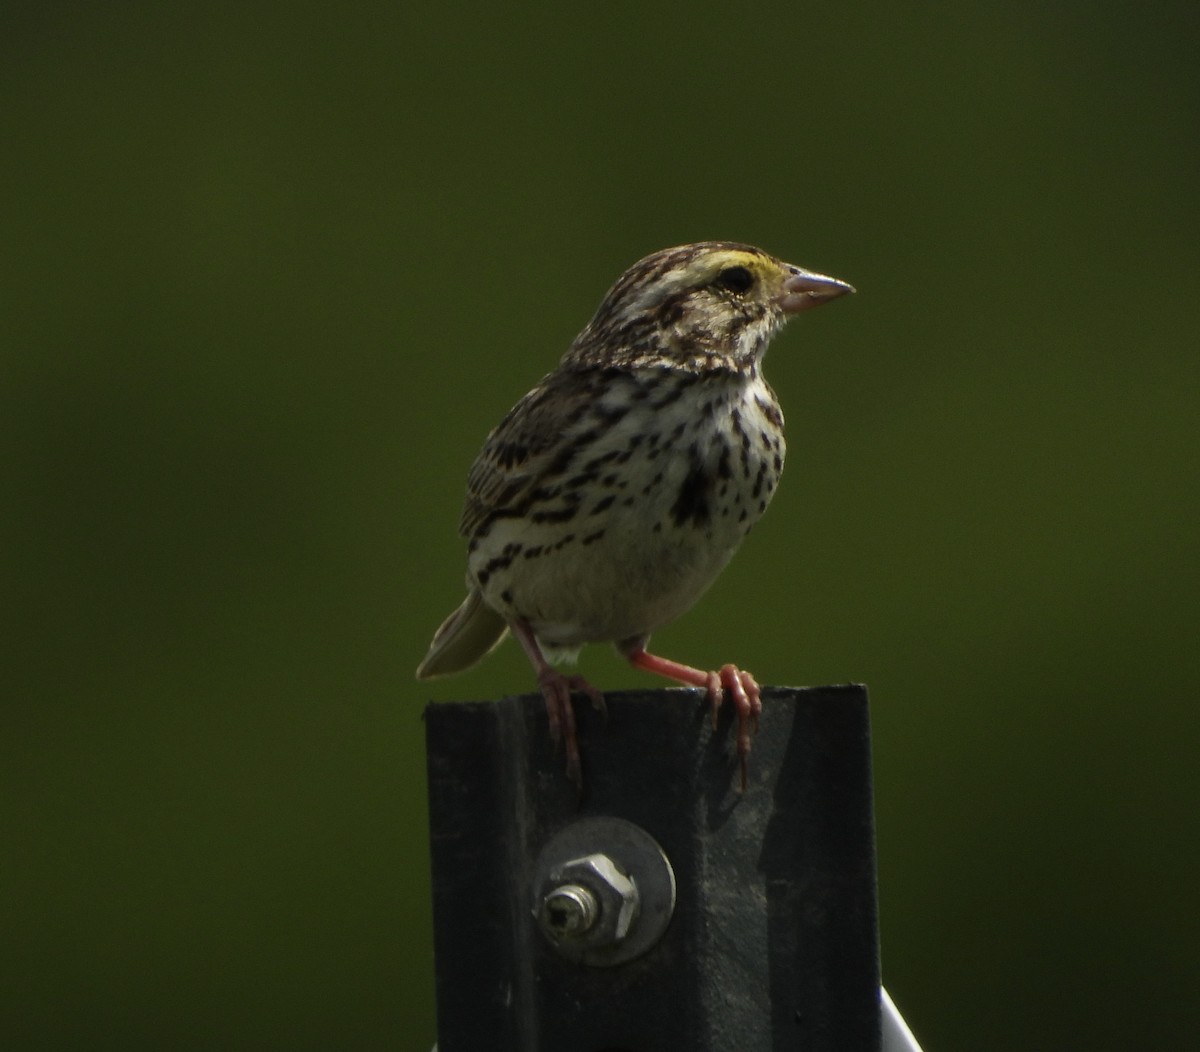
{"x": 641, "y": 539}
{"x": 613, "y": 576}
{"x": 627, "y": 586}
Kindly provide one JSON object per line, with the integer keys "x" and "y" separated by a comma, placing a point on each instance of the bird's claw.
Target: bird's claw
{"x": 747, "y": 703}
{"x": 556, "y": 691}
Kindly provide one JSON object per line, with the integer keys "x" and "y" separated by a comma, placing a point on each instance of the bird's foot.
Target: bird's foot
{"x": 743, "y": 688}
{"x": 746, "y": 696}
{"x": 556, "y": 691}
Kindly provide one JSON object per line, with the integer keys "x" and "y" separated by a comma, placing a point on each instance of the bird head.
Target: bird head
{"x": 715, "y": 304}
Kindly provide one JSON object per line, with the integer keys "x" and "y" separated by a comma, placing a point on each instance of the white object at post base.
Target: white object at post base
{"x": 896, "y": 1035}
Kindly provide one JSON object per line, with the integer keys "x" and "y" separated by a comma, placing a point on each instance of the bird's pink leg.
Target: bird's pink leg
{"x": 742, "y": 687}
{"x": 556, "y": 690}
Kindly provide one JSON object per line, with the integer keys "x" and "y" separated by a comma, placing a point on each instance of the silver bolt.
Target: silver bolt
{"x": 625, "y": 873}
{"x": 587, "y": 902}
{"x": 568, "y": 910}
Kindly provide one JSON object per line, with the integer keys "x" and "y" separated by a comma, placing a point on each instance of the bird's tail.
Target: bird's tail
{"x": 466, "y": 636}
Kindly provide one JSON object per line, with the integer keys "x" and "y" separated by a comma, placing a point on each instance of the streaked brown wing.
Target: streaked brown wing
{"x": 523, "y": 448}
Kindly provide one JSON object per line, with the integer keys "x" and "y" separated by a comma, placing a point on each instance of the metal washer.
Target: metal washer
{"x": 640, "y": 856}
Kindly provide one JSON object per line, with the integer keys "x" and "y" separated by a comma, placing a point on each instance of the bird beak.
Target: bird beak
{"x": 803, "y": 289}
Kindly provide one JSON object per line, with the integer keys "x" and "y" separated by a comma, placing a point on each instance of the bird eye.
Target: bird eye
{"x": 736, "y": 279}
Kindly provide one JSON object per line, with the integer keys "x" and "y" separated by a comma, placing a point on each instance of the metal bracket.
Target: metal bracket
{"x": 772, "y": 944}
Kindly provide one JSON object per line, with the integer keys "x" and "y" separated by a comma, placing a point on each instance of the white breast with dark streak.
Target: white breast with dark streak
{"x": 645, "y": 516}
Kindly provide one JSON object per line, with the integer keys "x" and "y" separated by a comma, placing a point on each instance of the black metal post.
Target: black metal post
{"x": 773, "y": 942}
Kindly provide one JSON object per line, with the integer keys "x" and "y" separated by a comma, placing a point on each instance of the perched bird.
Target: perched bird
{"x": 610, "y": 497}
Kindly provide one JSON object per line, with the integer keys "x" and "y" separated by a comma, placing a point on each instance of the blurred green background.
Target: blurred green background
{"x": 270, "y": 272}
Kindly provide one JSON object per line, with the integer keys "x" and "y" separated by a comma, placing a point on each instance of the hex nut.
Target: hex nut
{"x": 613, "y": 891}
{"x": 626, "y": 870}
